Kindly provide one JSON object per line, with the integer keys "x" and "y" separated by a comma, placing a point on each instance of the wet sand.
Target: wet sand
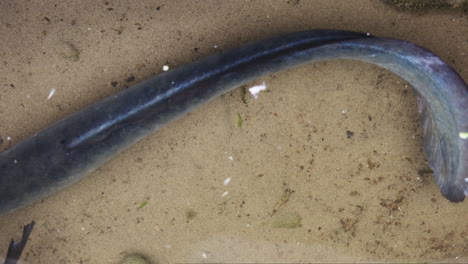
{"x": 337, "y": 144}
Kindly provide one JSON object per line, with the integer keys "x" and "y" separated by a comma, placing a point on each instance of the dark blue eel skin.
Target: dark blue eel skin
{"x": 71, "y": 148}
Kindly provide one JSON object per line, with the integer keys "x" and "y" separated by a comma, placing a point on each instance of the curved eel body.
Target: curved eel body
{"x": 71, "y": 148}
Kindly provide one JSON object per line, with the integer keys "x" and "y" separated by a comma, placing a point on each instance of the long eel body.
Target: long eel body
{"x": 71, "y": 148}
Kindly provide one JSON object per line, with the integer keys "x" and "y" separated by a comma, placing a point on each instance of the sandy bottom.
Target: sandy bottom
{"x": 333, "y": 149}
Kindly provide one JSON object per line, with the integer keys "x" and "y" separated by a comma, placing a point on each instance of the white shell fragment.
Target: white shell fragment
{"x": 165, "y": 67}
{"x": 227, "y": 181}
{"x": 51, "y": 93}
{"x": 463, "y": 135}
{"x": 255, "y": 90}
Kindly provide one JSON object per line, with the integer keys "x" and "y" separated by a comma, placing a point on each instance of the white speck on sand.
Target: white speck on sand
{"x": 255, "y": 90}
{"x": 51, "y": 93}
{"x": 15, "y": 161}
{"x": 227, "y": 181}
{"x": 343, "y": 112}
{"x": 215, "y": 46}
{"x": 165, "y": 68}
{"x": 231, "y": 158}
{"x": 204, "y": 255}
{"x": 224, "y": 194}
{"x": 8, "y": 138}
{"x": 82, "y": 229}
{"x": 463, "y": 135}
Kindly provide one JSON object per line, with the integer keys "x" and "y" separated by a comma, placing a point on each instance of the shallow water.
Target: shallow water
{"x": 337, "y": 145}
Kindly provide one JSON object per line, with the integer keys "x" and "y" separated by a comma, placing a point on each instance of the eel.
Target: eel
{"x": 71, "y": 148}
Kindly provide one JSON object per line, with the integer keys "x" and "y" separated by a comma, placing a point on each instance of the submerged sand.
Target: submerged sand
{"x": 327, "y": 165}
